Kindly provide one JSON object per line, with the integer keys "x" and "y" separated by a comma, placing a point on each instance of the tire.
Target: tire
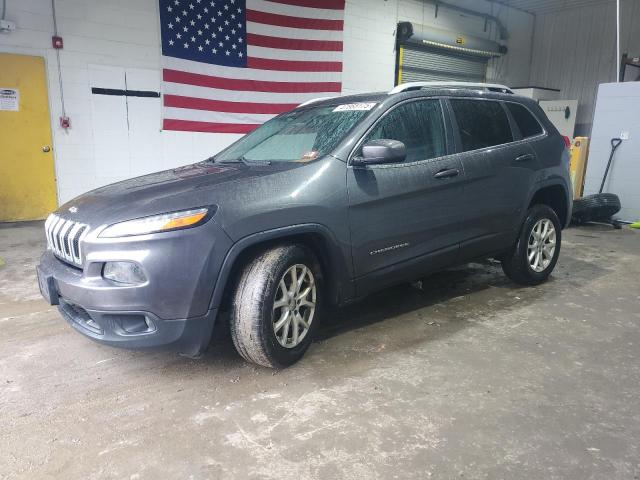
{"x": 254, "y": 313}
{"x": 516, "y": 264}
{"x": 597, "y": 207}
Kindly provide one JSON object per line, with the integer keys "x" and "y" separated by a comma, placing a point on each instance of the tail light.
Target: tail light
{"x": 567, "y": 141}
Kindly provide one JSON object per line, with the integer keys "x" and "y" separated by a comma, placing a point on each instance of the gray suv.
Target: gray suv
{"x": 319, "y": 206}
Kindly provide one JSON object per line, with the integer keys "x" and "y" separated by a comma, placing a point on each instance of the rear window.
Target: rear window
{"x": 482, "y": 123}
{"x": 527, "y": 123}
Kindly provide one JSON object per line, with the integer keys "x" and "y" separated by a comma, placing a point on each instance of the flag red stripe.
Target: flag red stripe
{"x": 293, "y": 65}
{"x": 292, "y": 22}
{"x": 194, "y": 126}
{"x": 224, "y": 106}
{"x": 177, "y": 76}
{"x": 327, "y": 4}
{"x": 293, "y": 43}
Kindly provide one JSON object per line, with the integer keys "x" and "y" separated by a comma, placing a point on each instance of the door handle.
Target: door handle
{"x": 446, "y": 173}
{"x": 525, "y": 158}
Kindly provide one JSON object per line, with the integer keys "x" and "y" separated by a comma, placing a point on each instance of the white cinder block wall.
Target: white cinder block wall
{"x": 108, "y": 43}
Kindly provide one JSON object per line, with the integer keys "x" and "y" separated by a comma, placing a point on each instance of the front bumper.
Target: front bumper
{"x": 171, "y": 309}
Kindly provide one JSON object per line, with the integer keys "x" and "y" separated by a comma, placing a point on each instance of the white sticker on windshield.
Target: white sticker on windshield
{"x": 354, "y": 106}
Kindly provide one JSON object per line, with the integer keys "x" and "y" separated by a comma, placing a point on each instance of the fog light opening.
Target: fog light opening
{"x": 126, "y": 273}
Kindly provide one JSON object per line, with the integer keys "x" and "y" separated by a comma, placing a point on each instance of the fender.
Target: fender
{"x": 342, "y": 287}
{"x": 550, "y": 181}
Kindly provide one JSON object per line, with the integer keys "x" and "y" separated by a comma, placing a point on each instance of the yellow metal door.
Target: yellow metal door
{"x": 27, "y": 179}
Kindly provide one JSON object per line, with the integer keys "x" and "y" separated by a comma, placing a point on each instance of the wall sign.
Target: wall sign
{"x": 9, "y": 99}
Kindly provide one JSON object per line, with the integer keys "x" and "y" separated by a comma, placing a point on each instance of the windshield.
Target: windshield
{"x": 297, "y": 136}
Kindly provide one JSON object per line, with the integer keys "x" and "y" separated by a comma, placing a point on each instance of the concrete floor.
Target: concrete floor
{"x": 470, "y": 377}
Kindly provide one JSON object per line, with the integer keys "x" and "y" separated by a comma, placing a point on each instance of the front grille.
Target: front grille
{"x": 64, "y": 238}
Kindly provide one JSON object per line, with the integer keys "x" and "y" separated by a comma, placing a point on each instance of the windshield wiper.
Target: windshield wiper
{"x": 247, "y": 161}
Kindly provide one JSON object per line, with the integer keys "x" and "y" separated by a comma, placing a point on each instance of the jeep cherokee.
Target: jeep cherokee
{"x": 319, "y": 206}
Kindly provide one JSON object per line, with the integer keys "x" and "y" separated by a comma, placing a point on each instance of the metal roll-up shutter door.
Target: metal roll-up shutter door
{"x": 422, "y": 64}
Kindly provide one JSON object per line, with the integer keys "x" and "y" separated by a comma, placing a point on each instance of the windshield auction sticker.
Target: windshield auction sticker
{"x": 9, "y": 99}
{"x": 348, "y": 107}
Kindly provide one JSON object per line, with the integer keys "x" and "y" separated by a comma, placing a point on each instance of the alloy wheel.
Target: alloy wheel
{"x": 294, "y": 305}
{"x": 541, "y": 245}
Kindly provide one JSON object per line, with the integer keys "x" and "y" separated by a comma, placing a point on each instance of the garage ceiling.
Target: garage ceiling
{"x": 539, "y": 7}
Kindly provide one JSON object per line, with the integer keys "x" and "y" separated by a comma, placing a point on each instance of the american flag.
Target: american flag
{"x": 230, "y": 65}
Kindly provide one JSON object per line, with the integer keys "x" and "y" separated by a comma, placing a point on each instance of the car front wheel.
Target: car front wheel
{"x": 536, "y": 251}
{"x": 276, "y": 306}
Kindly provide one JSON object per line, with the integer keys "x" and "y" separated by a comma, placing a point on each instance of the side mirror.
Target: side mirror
{"x": 381, "y": 151}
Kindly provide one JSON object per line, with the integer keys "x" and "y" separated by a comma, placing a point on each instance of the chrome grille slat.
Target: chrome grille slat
{"x": 64, "y": 238}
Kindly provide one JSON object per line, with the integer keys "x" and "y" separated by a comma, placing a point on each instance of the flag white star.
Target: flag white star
{"x": 193, "y": 39}
{"x": 184, "y": 12}
{"x": 240, "y": 54}
{"x": 206, "y": 10}
{"x": 199, "y": 17}
{"x": 176, "y": 2}
{"x": 226, "y": 7}
{"x": 227, "y": 53}
{"x": 234, "y": 46}
{"x": 185, "y": 29}
{"x": 178, "y": 19}
{"x": 206, "y": 41}
{"x": 206, "y": 26}
{"x": 214, "y": 50}
{"x": 220, "y": 44}
{"x": 170, "y": 42}
{"x": 192, "y": 23}
{"x": 219, "y": 13}
{"x": 239, "y": 40}
{"x": 170, "y": 25}
{"x": 200, "y": 48}
{"x": 226, "y": 37}
{"x": 199, "y": 32}
{"x": 233, "y": 31}
{"x": 186, "y": 45}
{"x": 226, "y": 22}
{"x": 219, "y": 29}
{"x": 169, "y": 9}
{"x": 178, "y": 36}
{"x": 191, "y": 6}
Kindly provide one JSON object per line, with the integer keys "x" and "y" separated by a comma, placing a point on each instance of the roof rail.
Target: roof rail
{"x": 314, "y": 100}
{"x": 492, "y": 87}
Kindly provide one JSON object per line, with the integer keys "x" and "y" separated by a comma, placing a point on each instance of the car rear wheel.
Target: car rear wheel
{"x": 536, "y": 251}
{"x": 276, "y": 306}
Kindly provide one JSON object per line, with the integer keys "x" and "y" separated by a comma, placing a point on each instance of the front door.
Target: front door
{"x": 27, "y": 181}
{"x": 405, "y": 217}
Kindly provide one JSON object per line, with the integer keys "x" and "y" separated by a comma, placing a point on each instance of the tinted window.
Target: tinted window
{"x": 482, "y": 123}
{"x": 416, "y": 124}
{"x": 526, "y": 122}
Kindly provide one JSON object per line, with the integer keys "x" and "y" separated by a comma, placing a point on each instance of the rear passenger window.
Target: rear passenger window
{"x": 482, "y": 123}
{"x": 526, "y": 122}
{"x": 416, "y": 124}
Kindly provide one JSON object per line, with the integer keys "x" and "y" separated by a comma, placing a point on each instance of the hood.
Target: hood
{"x": 198, "y": 185}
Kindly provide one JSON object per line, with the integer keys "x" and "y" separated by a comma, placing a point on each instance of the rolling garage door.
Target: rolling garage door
{"x": 425, "y": 53}
{"x": 417, "y": 64}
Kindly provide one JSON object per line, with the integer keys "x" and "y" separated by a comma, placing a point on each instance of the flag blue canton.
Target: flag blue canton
{"x": 205, "y": 31}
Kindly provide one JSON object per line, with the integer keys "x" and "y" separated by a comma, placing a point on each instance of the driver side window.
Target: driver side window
{"x": 418, "y": 125}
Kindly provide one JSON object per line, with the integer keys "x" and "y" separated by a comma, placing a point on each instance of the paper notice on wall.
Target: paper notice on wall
{"x": 9, "y": 99}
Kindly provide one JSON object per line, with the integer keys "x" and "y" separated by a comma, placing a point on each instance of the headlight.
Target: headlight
{"x": 157, "y": 223}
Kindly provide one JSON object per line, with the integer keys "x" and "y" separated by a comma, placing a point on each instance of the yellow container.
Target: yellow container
{"x": 579, "y": 152}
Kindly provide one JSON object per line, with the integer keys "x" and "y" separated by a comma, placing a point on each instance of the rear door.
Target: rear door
{"x": 405, "y": 217}
{"x": 498, "y": 167}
